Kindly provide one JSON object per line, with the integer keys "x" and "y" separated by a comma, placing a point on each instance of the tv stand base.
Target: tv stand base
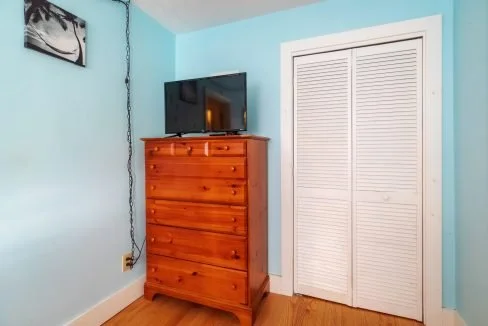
{"x": 179, "y": 135}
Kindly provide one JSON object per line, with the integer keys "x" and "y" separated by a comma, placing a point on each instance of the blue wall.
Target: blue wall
{"x": 63, "y": 189}
{"x": 253, "y": 46}
{"x": 471, "y": 112}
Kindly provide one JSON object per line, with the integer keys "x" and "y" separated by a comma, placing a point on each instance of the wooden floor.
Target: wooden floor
{"x": 276, "y": 310}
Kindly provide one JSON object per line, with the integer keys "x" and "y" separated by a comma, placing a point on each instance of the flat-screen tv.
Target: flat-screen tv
{"x": 211, "y": 104}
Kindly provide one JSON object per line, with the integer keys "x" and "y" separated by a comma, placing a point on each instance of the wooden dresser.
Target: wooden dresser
{"x": 207, "y": 221}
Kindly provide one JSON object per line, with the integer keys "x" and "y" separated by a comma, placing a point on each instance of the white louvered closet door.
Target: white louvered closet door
{"x": 387, "y": 178}
{"x": 323, "y": 176}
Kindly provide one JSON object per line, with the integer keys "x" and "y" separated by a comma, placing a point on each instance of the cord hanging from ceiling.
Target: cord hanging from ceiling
{"x": 134, "y": 245}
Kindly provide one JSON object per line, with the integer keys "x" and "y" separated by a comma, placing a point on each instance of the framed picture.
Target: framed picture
{"x": 188, "y": 91}
{"x": 54, "y": 31}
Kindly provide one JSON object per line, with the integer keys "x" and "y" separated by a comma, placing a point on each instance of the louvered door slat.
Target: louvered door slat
{"x": 387, "y": 178}
{"x": 323, "y": 176}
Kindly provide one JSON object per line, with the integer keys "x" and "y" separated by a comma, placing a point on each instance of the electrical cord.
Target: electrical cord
{"x": 130, "y": 142}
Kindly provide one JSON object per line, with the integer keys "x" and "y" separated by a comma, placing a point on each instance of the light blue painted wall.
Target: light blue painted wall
{"x": 471, "y": 112}
{"x": 253, "y": 46}
{"x": 63, "y": 180}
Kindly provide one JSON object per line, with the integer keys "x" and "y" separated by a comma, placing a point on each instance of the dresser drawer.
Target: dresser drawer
{"x": 206, "y": 217}
{"x": 199, "y": 246}
{"x": 176, "y": 148}
{"x": 208, "y": 281}
{"x": 213, "y": 167}
{"x": 227, "y": 148}
{"x": 198, "y": 189}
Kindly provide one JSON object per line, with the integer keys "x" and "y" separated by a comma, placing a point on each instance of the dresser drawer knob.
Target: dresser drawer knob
{"x": 233, "y": 169}
{"x": 156, "y": 149}
{"x": 234, "y": 192}
{"x": 234, "y": 219}
{"x": 153, "y": 239}
{"x": 179, "y": 279}
{"x": 154, "y": 269}
{"x": 234, "y": 254}
{"x": 234, "y": 287}
{"x": 170, "y": 241}
{"x": 152, "y": 166}
{"x": 153, "y": 211}
{"x": 153, "y": 187}
{"x": 226, "y": 148}
{"x": 189, "y": 149}
{"x": 194, "y": 273}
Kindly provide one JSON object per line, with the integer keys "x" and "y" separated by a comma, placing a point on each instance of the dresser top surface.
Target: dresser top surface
{"x": 206, "y": 138}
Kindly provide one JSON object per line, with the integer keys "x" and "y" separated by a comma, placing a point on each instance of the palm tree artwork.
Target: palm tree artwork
{"x": 54, "y": 31}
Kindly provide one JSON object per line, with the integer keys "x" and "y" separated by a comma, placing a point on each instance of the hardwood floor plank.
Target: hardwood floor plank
{"x": 329, "y": 315}
{"x": 272, "y": 309}
{"x": 286, "y": 317}
{"x": 349, "y": 317}
{"x": 276, "y": 310}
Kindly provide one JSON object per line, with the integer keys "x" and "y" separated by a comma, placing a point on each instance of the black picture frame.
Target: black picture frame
{"x": 54, "y": 31}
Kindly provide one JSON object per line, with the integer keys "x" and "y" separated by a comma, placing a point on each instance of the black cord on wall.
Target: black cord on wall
{"x": 134, "y": 245}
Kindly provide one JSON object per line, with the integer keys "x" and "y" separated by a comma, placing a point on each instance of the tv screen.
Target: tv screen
{"x": 211, "y": 104}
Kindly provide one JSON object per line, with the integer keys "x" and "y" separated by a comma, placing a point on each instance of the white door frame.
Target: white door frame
{"x": 430, "y": 29}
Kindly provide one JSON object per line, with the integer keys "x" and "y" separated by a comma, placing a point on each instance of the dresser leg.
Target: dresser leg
{"x": 149, "y": 293}
{"x": 245, "y": 317}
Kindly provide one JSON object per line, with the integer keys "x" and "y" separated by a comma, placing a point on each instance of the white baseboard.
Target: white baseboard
{"x": 452, "y": 318}
{"x": 275, "y": 284}
{"x": 458, "y": 320}
{"x": 109, "y": 307}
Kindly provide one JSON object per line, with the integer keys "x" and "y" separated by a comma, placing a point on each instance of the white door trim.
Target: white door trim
{"x": 430, "y": 29}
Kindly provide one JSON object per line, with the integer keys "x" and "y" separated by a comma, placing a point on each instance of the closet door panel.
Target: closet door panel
{"x": 387, "y": 178}
{"x": 322, "y": 95}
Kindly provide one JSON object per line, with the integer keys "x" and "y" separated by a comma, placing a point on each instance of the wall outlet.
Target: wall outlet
{"x": 126, "y": 259}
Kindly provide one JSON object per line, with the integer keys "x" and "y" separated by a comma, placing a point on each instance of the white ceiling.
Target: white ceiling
{"x": 181, "y": 16}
